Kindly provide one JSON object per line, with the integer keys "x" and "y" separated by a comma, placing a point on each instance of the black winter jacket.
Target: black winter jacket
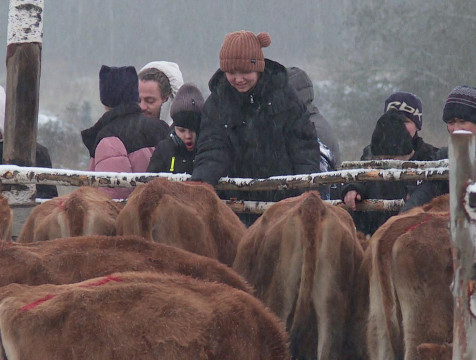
{"x": 369, "y": 221}
{"x": 265, "y": 132}
{"x": 127, "y": 123}
{"x": 429, "y": 190}
{"x": 170, "y": 157}
{"x": 423, "y": 151}
{"x": 42, "y": 160}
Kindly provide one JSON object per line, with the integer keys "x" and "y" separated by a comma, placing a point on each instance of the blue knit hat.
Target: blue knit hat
{"x": 407, "y": 104}
{"x": 118, "y": 85}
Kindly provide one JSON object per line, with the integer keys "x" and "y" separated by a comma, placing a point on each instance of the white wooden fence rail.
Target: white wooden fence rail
{"x": 399, "y": 171}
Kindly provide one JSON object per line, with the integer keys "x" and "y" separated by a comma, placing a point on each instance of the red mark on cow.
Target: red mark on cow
{"x": 61, "y": 203}
{"x": 425, "y": 220}
{"x": 37, "y": 302}
{"x": 103, "y": 281}
{"x": 51, "y": 296}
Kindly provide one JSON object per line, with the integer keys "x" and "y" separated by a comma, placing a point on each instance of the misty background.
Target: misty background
{"x": 356, "y": 52}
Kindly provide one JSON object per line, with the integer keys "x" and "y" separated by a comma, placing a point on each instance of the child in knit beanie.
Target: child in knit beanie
{"x": 459, "y": 113}
{"x": 253, "y": 123}
{"x": 242, "y": 60}
{"x": 410, "y": 106}
{"x": 176, "y": 154}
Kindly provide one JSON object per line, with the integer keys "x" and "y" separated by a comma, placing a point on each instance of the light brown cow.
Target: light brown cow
{"x": 189, "y": 216}
{"x": 6, "y": 220}
{"x": 435, "y": 351}
{"x": 410, "y": 276}
{"x": 86, "y": 211}
{"x": 138, "y": 316}
{"x": 302, "y": 258}
{"x": 69, "y": 260}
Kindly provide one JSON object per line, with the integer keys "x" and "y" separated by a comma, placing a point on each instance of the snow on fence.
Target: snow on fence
{"x": 12, "y": 174}
{"x": 385, "y": 170}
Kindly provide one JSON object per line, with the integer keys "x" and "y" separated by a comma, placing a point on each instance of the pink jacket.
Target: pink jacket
{"x": 111, "y": 155}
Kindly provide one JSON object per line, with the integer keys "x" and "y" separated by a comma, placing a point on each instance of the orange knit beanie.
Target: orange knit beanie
{"x": 241, "y": 51}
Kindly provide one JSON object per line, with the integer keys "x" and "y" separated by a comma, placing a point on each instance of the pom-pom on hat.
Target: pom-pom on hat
{"x": 461, "y": 104}
{"x": 407, "y": 104}
{"x": 118, "y": 85}
{"x": 187, "y": 107}
{"x": 390, "y": 136}
{"x": 241, "y": 51}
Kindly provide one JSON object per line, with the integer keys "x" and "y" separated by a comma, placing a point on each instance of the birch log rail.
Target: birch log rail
{"x": 12, "y": 174}
{"x": 393, "y": 164}
{"x": 257, "y": 207}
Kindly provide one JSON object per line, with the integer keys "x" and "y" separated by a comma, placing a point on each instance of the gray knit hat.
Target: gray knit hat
{"x": 187, "y": 107}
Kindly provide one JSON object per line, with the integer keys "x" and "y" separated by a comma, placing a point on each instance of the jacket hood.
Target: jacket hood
{"x": 173, "y": 73}
{"x": 302, "y": 83}
{"x": 171, "y": 70}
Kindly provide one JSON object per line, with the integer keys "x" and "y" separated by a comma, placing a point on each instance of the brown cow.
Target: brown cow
{"x": 189, "y": 216}
{"x": 435, "y": 351}
{"x": 6, "y": 220}
{"x": 302, "y": 258}
{"x": 410, "y": 276}
{"x": 69, "y": 260}
{"x": 138, "y": 316}
{"x": 86, "y": 211}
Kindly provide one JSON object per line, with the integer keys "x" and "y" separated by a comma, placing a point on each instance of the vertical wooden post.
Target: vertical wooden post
{"x": 25, "y": 32}
{"x": 462, "y": 170}
{"x": 24, "y": 41}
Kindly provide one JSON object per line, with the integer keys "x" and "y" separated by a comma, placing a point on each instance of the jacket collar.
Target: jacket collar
{"x": 89, "y": 135}
{"x": 269, "y": 93}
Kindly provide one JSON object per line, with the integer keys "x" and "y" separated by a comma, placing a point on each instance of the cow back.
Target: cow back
{"x": 385, "y": 332}
{"x": 86, "y": 211}
{"x": 186, "y": 215}
{"x": 69, "y": 260}
{"x": 137, "y": 316}
{"x": 297, "y": 256}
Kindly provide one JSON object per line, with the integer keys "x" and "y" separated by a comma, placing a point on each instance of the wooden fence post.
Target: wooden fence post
{"x": 463, "y": 231}
{"x": 24, "y": 41}
{"x": 25, "y": 31}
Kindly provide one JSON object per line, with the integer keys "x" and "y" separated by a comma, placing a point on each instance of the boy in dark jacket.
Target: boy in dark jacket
{"x": 390, "y": 140}
{"x": 459, "y": 113}
{"x": 410, "y": 106}
{"x": 176, "y": 153}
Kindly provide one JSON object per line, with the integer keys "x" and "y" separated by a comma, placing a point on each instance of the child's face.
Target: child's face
{"x": 241, "y": 81}
{"x": 189, "y": 137}
{"x": 411, "y": 127}
{"x": 460, "y": 124}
